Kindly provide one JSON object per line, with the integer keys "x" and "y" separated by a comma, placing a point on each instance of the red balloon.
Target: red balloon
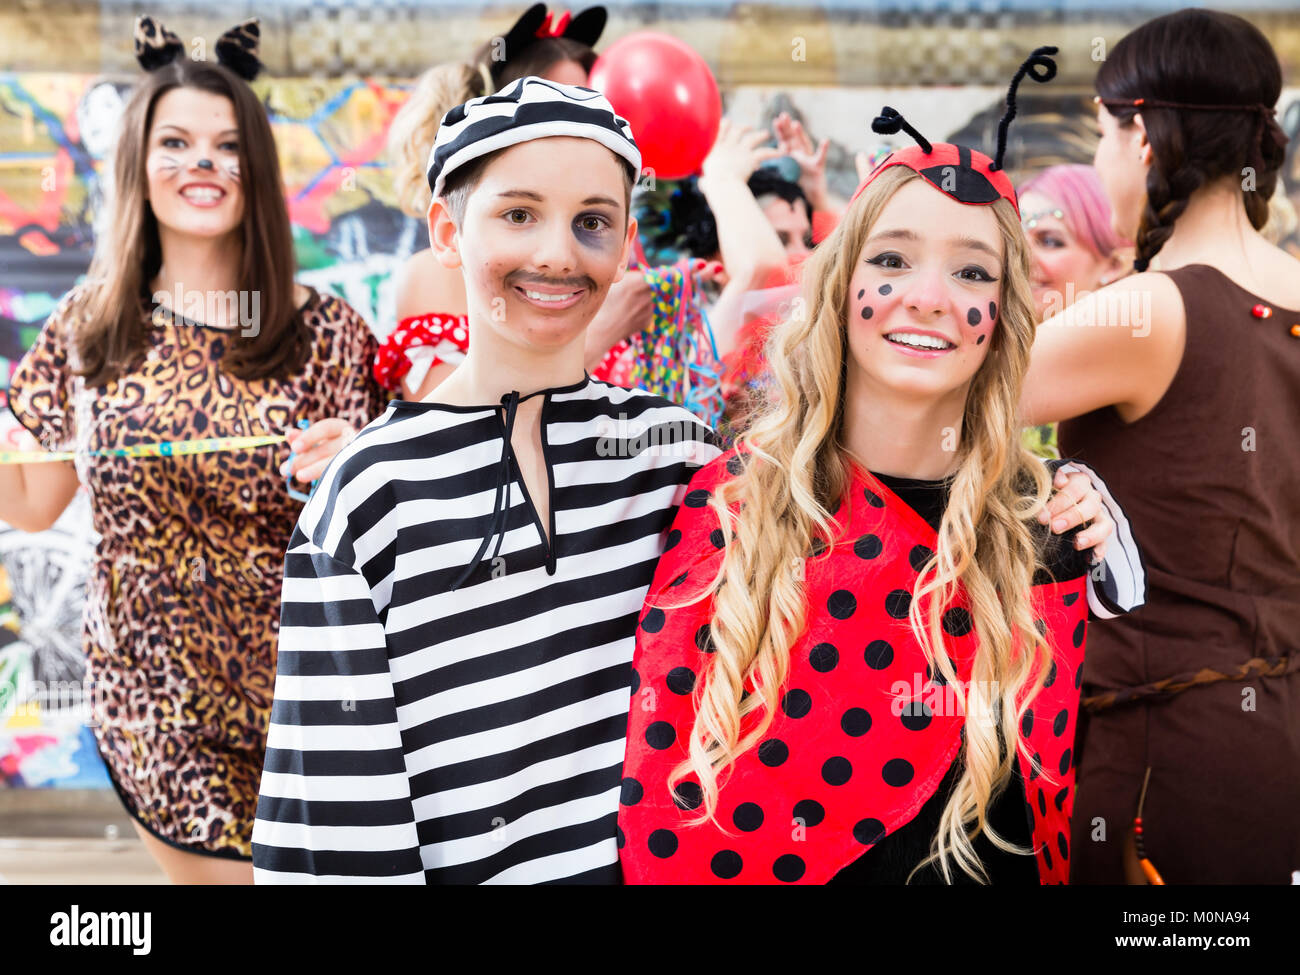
{"x": 668, "y": 95}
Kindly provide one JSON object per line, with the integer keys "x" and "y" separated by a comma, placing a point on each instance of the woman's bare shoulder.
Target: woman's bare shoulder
{"x": 423, "y": 285}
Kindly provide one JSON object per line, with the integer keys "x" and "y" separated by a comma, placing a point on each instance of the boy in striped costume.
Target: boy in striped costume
{"x": 462, "y": 590}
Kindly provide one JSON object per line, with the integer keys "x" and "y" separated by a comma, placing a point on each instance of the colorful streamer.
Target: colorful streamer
{"x": 168, "y": 448}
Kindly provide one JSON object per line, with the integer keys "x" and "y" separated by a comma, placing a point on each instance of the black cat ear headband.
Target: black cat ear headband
{"x": 156, "y": 46}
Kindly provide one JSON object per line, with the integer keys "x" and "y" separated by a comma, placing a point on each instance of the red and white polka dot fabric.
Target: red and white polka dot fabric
{"x": 863, "y": 738}
{"x": 446, "y": 337}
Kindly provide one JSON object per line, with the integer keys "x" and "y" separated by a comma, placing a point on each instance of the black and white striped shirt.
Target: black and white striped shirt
{"x": 444, "y": 716}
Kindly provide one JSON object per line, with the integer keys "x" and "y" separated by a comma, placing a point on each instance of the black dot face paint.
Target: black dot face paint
{"x": 204, "y": 164}
{"x": 980, "y": 340}
{"x": 867, "y": 312}
{"x": 884, "y": 289}
{"x": 861, "y": 292}
{"x": 993, "y": 309}
{"x": 973, "y": 317}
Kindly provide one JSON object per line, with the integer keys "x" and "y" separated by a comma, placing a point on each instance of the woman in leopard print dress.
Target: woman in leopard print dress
{"x": 182, "y": 609}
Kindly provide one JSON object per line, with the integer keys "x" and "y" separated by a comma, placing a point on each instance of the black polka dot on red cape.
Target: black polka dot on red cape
{"x": 1027, "y": 723}
{"x": 1078, "y": 677}
{"x": 1078, "y": 634}
{"x": 1050, "y": 679}
{"x": 748, "y": 816}
{"x": 673, "y": 538}
{"x": 897, "y": 604}
{"x": 660, "y": 735}
{"x": 796, "y": 703}
{"x": 841, "y": 604}
{"x": 1033, "y": 769}
{"x": 957, "y": 621}
{"x": 636, "y": 680}
{"x": 919, "y": 555}
{"x": 1063, "y": 845}
{"x": 704, "y": 639}
{"x": 1042, "y": 802}
{"x": 855, "y": 722}
{"x": 688, "y": 795}
{"x": 810, "y": 812}
{"x": 1058, "y": 724}
{"x": 773, "y": 752}
{"x": 1069, "y": 598}
{"x": 662, "y": 843}
{"x": 916, "y": 716}
{"x": 680, "y": 680}
{"x": 873, "y": 499}
{"x": 823, "y": 658}
{"x": 837, "y": 770}
{"x": 868, "y": 831}
{"x": 717, "y": 538}
{"x": 631, "y": 792}
{"x": 817, "y": 548}
{"x": 726, "y": 864}
{"x": 654, "y": 621}
{"x": 679, "y": 580}
{"x": 1065, "y": 761}
{"x": 697, "y": 498}
{"x": 1061, "y": 796}
{"x": 1047, "y": 858}
{"x": 868, "y": 547}
{"x": 897, "y": 772}
{"x": 622, "y": 838}
{"x": 788, "y": 868}
{"x": 735, "y": 465}
{"x": 879, "y": 654}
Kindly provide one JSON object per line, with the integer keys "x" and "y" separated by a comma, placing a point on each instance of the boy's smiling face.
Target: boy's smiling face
{"x": 545, "y": 233}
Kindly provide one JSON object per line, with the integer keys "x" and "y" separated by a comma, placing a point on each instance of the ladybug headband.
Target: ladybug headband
{"x": 537, "y": 24}
{"x": 156, "y": 46}
{"x": 965, "y": 174}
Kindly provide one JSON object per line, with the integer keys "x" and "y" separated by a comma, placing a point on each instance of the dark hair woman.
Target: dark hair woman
{"x": 1185, "y": 389}
{"x": 189, "y": 328}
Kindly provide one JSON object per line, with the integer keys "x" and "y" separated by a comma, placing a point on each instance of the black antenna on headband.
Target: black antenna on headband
{"x": 889, "y": 122}
{"x": 1040, "y": 59}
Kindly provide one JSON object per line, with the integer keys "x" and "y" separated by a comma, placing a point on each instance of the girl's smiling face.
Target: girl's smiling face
{"x": 924, "y": 300}
{"x": 192, "y": 164}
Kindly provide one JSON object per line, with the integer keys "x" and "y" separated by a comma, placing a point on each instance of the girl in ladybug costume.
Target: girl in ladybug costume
{"x": 859, "y": 658}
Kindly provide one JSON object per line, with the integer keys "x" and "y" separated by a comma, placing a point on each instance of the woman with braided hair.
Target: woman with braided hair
{"x": 1183, "y": 389}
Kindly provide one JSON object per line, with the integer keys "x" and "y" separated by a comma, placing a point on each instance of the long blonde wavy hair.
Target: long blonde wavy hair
{"x": 794, "y": 473}
{"x": 443, "y": 87}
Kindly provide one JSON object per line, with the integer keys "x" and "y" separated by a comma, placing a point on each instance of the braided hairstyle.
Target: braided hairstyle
{"x": 1204, "y": 58}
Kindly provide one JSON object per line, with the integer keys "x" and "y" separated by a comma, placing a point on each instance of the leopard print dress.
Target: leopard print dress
{"x": 182, "y": 607}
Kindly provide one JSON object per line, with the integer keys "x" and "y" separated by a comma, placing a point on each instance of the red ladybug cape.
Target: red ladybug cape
{"x": 863, "y": 738}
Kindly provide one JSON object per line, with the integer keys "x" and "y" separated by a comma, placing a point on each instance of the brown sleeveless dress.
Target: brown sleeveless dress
{"x": 1210, "y": 480}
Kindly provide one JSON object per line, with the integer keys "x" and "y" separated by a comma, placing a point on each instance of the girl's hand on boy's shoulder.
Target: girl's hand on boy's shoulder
{"x": 315, "y": 447}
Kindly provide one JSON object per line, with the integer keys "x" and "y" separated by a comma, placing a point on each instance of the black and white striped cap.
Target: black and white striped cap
{"x": 526, "y": 109}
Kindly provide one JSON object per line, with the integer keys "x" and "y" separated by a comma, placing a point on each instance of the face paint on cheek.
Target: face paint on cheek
{"x": 866, "y": 312}
{"x": 232, "y": 170}
{"x": 167, "y": 164}
{"x": 884, "y": 289}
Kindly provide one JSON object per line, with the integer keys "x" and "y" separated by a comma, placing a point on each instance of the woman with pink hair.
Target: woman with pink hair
{"x": 1074, "y": 249}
